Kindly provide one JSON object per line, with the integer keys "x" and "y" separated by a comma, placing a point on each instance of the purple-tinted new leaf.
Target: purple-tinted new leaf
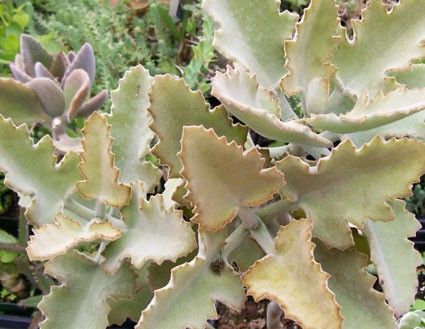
{"x": 50, "y": 95}
{"x": 76, "y": 90}
{"x": 19, "y": 74}
{"x": 83, "y": 60}
{"x": 59, "y": 65}
{"x": 42, "y": 72}
{"x": 93, "y": 104}
{"x": 32, "y": 52}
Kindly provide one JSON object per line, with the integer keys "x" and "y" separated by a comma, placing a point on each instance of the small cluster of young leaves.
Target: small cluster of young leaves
{"x": 124, "y": 35}
{"x": 51, "y": 89}
{"x": 296, "y": 224}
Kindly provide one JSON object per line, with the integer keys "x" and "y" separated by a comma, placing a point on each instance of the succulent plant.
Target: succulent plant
{"x": 51, "y": 89}
{"x": 298, "y": 222}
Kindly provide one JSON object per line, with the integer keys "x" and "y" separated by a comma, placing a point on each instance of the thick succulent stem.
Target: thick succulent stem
{"x": 257, "y": 229}
{"x": 274, "y": 209}
{"x": 100, "y": 210}
{"x": 14, "y": 247}
{"x": 23, "y": 230}
{"x": 233, "y": 241}
{"x": 87, "y": 213}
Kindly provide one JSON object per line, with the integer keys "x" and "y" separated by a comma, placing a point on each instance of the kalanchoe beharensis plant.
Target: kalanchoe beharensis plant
{"x": 296, "y": 223}
{"x": 50, "y": 89}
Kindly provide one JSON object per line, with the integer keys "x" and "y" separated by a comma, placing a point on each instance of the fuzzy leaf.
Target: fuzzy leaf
{"x": 174, "y": 106}
{"x": 309, "y": 54}
{"x": 50, "y": 95}
{"x": 81, "y": 301}
{"x": 33, "y": 171}
{"x": 412, "y": 126}
{"x": 234, "y": 178}
{"x": 93, "y": 104}
{"x": 395, "y": 257}
{"x": 411, "y": 77}
{"x": 188, "y": 300}
{"x": 51, "y": 240}
{"x": 98, "y": 165}
{"x": 365, "y": 115}
{"x": 245, "y": 35}
{"x": 84, "y": 60}
{"x": 42, "y": 72}
{"x": 59, "y": 65}
{"x": 131, "y": 307}
{"x": 171, "y": 186}
{"x": 76, "y": 90}
{"x": 130, "y": 127}
{"x": 294, "y": 280}
{"x": 364, "y": 64}
{"x": 361, "y": 306}
{"x": 370, "y": 176}
{"x": 153, "y": 234}
{"x": 20, "y": 103}
{"x": 244, "y": 98}
{"x": 18, "y": 73}
{"x": 32, "y": 52}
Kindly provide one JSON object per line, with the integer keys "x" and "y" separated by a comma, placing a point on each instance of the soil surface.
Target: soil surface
{"x": 253, "y": 316}
{"x": 421, "y": 288}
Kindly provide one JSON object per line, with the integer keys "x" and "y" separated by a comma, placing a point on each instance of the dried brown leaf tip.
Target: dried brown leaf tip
{"x": 97, "y": 165}
{"x": 221, "y": 177}
{"x": 293, "y": 279}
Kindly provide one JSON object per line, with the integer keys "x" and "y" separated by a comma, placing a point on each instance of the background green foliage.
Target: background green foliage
{"x": 123, "y": 36}
{"x": 13, "y": 21}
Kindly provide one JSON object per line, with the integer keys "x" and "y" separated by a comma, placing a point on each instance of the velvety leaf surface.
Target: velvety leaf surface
{"x": 366, "y": 114}
{"x": 395, "y": 256}
{"x": 411, "y": 77}
{"x": 76, "y": 90}
{"x": 309, "y": 54}
{"x": 244, "y": 98}
{"x": 363, "y": 65}
{"x": 131, "y": 307}
{"x": 130, "y": 127}
{"x": 170, "y": 188}
{"x": 93, "y": 104}
{"x": 188, "y": 300}
{"x": 252, "y": 33}
{"x": 352, "y": 185}
{"x": 20, "y": 103}
{"x": 234, "y": 178}
{"x": 153, "y": 234}
{"x": 97, "y": 165}
{"x": 51, "y": 240}
{"x": 173, "y": 106}
{"x": 84, "y": 60}
{"x": 294, "y": 280}
{"x": 42, "y": 72}
{"x": 50, "y": 95}
{"x": 361, "y": 306}
{"x": 81, "y": 301}
{"x": 33, "y": 171}
{"x": 412, "y": 126}
{"x": 32, "y": 52}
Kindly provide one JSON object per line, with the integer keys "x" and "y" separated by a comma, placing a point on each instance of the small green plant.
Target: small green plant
{"x": 122, "y": 37}
{"x": 216, "y": 217}
{"x": 13, "y": 21}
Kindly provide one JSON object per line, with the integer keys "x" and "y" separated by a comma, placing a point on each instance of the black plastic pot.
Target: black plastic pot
{"x": 419, "y": 239}
{"x": 23, "y": 322}
{"x": 14, "y": 322}
{"x": 14, "y": 316}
